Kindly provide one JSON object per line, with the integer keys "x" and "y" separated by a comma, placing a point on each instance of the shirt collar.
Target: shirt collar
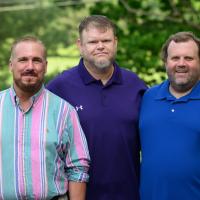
{"x": 163, "y": 93}
{"x": 88, "y": 78}
{"x": 34, "y": 98}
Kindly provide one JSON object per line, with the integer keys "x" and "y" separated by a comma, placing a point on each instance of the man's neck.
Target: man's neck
{"x": 178, "y": 94}
{"x": 101, "y": 74}
{"x": 25, "y": 100}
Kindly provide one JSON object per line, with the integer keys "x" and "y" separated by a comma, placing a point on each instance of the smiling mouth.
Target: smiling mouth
{"x": 29, "y": 77}
{"x": 181, "y": 71}
{"x": 181, "y": 74}
{"x": 29, "y": 74}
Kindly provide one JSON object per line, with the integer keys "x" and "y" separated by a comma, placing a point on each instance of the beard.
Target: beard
{"x": 28, "y": 87}
{"x": 184, "y": 84}
{"x": 102, "y": 64}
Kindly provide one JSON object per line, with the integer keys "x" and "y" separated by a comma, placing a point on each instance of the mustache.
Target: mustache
{"x": 29, "y": 73}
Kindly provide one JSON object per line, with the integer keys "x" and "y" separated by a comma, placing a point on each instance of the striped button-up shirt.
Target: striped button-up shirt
{"x": 41, "y": 149}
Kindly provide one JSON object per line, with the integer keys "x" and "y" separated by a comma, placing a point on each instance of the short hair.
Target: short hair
{"x": 98, "y": 21}
{"x": 27, "y": 38}
{"x": 179, "y": 37}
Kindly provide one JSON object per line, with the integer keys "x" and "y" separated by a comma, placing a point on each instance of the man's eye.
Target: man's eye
{"x": 106, "y": 41}
{"x": 174, "y": 58}
{"x": 93, "y": 42}
{"x": 22, "y": 60}
{"x": 188, "y": 58}
{"x": 37, "y": 61}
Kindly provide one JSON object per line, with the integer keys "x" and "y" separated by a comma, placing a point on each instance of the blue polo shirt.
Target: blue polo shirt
{"x": 109, "y": 117}
{"x": 170, "y": 142}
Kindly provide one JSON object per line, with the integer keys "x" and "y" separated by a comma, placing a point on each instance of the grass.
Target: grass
{"x": 67, "y": 57}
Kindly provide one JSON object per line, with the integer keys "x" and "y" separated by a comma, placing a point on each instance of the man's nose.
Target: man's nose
{"x": 30, "y": 64}
{"x": 100, "y": 45}
{"x": 181, "y": 62}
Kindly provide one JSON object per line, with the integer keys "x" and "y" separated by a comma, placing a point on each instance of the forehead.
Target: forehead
{"x": 187, "y": 47}
{"x": 28, "y": 48}
{"x": 92, "y": 31}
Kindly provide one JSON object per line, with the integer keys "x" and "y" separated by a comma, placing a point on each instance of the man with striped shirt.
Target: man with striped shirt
{"x": 43, "y": 150}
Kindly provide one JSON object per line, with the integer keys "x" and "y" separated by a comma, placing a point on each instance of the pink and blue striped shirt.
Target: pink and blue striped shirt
{"x": 42, "y": 149}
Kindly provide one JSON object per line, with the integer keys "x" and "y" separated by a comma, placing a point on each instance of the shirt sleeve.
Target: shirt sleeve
{"x": 77, "y": 159}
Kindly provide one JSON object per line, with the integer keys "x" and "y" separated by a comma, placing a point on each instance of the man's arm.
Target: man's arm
{"x": 77, "y": 190}
{"x": 77, "y": 159}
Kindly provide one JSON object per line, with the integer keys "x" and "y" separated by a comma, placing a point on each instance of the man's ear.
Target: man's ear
{"x": 46, "y": 64}
{"x": 79, "y": 45}
{"x": 10, "y": 65}
{"x": 116, "y": 41}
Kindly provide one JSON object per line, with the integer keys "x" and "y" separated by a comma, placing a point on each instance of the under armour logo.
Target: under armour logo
{"x": 79, "y": 108}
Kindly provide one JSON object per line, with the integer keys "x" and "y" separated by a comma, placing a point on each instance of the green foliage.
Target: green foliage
{"x": 67, "y": 58}
{"x": 54, "y": 24}
{"x": 144, "y": 25}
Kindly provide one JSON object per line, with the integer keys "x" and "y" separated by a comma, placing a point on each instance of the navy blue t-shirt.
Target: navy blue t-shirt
{"x": 109, "y": 117}
{"x": 170, "y": 143}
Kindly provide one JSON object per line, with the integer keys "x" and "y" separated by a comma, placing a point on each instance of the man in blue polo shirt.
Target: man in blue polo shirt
{"x": 170, "y": 125}
{"x": 107, "y": 99}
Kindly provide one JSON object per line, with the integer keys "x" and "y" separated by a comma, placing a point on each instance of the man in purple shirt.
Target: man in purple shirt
{"x": 107, "y": 99}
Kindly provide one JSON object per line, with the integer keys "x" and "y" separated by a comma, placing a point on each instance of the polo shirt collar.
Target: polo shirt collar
{"x": 163, "y": 93}
{"x": 88, "y": 78}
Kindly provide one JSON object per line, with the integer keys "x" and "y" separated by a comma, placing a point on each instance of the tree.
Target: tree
{"x": 53, "y": 21}
{"x": 144, "y": 25}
